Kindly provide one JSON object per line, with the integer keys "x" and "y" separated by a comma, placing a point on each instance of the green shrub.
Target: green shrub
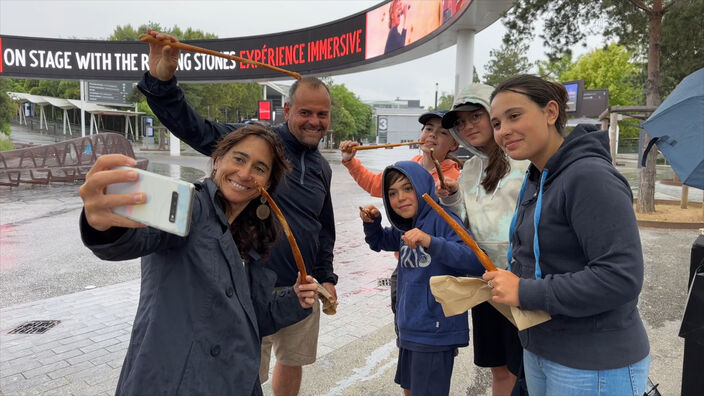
{"x": 6, "y": 145}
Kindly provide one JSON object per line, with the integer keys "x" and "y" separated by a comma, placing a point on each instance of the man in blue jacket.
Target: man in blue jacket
{"x": 304, "y": 197}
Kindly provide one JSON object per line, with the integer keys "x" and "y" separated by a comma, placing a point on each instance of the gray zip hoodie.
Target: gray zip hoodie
{"x": 487, "y": 215}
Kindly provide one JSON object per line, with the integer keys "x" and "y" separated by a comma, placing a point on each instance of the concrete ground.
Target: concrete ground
{"x": 46, "y": 274}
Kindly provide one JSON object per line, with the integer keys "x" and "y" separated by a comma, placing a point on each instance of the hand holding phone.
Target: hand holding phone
{"x": 168, "y": 201}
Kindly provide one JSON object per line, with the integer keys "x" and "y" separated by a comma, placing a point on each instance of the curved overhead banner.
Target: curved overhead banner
{"x": 383, "y": 31}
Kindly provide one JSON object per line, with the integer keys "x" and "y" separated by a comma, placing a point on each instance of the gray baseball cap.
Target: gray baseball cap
{"x": 473, "y": 97}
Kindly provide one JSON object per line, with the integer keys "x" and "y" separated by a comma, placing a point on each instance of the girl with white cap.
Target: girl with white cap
{"x": 484, "y": 197}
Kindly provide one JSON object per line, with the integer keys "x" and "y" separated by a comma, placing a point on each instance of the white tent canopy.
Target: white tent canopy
{"x": 95, "y": 111}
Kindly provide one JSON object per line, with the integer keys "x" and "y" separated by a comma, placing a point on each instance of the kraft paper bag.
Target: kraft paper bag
{"x": 457, "y": 295}
{"x": 329, "y": 304}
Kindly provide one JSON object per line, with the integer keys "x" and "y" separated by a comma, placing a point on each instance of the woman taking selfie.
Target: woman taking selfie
{"x": 205, "y": 299}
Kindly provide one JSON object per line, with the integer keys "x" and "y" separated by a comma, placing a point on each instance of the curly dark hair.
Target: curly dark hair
{"x": 248, "y": 231}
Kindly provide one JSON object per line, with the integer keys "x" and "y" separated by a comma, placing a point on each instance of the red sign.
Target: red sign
{"x": 265, "y": 110}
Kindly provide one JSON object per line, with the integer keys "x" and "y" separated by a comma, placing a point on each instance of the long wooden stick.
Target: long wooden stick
{"x": 147, "y": 38}
{"x": 438, "y": 168}
{"x": 463, "y": 234}
{"x": 289, "y": 235}
{"x": 372, "y": 147}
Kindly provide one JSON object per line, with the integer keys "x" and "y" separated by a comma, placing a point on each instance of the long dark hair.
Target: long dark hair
{"x": 497, "y": 168}
{"x": 248, "y": 231}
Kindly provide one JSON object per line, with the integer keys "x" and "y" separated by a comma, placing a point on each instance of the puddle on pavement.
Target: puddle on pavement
{"x": 30, "y": 193}
{"x": 176, "y": 171}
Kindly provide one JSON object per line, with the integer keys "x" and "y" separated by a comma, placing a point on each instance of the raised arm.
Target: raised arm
{"x": 167, "y": 101}
{"x": 368, "y": 180}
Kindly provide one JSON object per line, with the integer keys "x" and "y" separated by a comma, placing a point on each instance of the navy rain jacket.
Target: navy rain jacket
{"x": 201, "y": 312}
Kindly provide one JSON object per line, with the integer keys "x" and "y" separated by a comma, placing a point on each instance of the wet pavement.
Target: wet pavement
{"x": 47, "y": 274}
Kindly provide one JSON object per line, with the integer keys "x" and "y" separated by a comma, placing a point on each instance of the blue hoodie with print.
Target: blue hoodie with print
{"x": 420, "y": 318}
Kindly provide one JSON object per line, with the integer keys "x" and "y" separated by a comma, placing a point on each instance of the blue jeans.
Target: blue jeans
{"x": 547, "y": 378}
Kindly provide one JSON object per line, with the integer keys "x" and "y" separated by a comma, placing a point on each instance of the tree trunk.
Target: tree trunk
{"x": 646, "y": 182}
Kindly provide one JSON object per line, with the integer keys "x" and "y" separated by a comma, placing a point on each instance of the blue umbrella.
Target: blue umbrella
{"x": 677, "y": 127}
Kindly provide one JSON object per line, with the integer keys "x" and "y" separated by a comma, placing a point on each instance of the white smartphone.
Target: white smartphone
{"x": 168, "y": 206}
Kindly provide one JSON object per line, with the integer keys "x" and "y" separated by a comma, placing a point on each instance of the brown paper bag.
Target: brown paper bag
{"x": 329, "y": 304}
{"x": 457, "y": 295}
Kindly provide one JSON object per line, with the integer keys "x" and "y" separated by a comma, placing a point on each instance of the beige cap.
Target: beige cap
{"x": 473, "y": 97}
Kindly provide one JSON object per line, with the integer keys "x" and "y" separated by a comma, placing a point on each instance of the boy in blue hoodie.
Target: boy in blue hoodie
{"x": 427, "y": 246}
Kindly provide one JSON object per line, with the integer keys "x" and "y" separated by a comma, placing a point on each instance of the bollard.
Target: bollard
{"x": 693, "y": 359}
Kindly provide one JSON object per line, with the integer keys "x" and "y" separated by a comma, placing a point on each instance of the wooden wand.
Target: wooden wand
{"x": 463, "y": 234}
{"x": 147, "y": 38}
{"x": 438, "y": 167}
{"x": 372, "y": 147}
{"x": 289, "y": 234}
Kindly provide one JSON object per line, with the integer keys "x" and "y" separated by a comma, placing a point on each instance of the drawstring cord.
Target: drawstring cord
{"x": 536, "y": 221}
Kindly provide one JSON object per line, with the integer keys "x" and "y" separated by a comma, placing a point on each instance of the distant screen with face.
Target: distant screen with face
{"x": 399, "y": 23}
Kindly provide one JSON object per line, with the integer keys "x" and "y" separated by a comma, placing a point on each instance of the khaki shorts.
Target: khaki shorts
{"x": 295, "y": 345}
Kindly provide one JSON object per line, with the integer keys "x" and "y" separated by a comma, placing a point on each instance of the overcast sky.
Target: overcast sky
{"x": 97, "y": 19}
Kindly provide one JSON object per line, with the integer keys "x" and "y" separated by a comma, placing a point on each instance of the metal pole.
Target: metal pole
{"x": 83, "y": 104}
{"x": 436, "y": 97}
{"x": 613, "y": 135}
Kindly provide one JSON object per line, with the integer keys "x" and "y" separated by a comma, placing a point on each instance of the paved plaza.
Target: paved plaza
{"x": 46, "y": 274}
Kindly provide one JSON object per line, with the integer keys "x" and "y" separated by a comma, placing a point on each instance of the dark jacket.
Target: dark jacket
{"x": 201, "y": 312}
{"x": 420, "y": 318}
{"x": 304, "y": 195}
{"x": 590, "y": 270}
{"x": 395, "y": 40}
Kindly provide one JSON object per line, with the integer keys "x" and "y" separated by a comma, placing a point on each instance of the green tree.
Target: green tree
{"x": 125, "y": 33}
{"x": 7, "y": 106}
{"x": 552, "y": 70}
{"x": 351, "y": 118}
{"x": 682, "y": 43}
{"x": 341, "y": 123}
{"x": 507, "y": 61}
{"x": 633, "y": 22}
{"x": 56, "y": 88}
{"x": 69, "y": 90}
{"x": 128, "y": 33}
{"x": 444, "y": 102}
{"x": 609, "y": 68}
